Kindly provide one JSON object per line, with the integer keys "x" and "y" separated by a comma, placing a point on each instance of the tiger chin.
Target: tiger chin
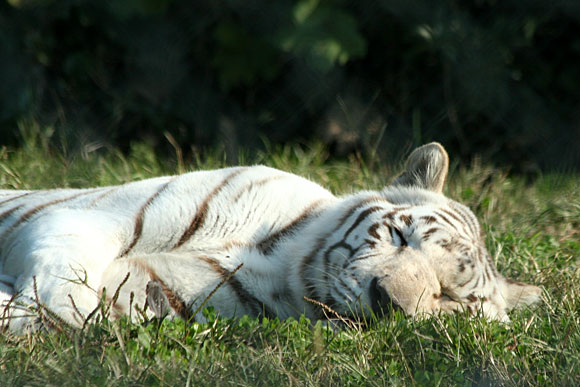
{"x": 248, "y": 240}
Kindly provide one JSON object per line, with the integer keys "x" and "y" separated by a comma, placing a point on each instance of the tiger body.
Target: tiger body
{"x": 246, "y": 240}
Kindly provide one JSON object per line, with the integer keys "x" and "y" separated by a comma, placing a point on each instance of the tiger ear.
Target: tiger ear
{"x": 426, "y": 167}
{"x": 519, "y": 294}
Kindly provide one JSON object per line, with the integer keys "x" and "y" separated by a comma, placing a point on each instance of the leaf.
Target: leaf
{"x": 243, "y": 59}
{"x": 324, "y": 34}
{"x": 129, "y": 8}
{"x": 144, "y": 338}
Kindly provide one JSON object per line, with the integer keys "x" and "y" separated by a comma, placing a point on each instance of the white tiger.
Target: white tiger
{"x": 175, "y": 239}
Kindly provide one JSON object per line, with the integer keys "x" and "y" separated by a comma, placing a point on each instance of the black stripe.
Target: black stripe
{"x": 267, "y": 245}
{"x": 489, "y": 276}
{"x": 362, "y": 216}
{"x": 407, "y": 219}
{"x": 201, "y": 214}
{"x": 454, "y": 216}
{"x": 391, "y": 214}
{"x": 476, "y": 283}
{"x": 9, "y": 212}
{"x": 138, "y": 229}
{"x": 256, "y": 183}
{"x": 483, "y": 279}
{"x": 342, "y": 244}
{"x": 359, "y": 258}
{"x": 473, "y": 227}
{"x": 428, "y": 219}
{"x": 344, "y": 291}
{"x": 308, "y": 259}
{"x": 16, "y": 197}
{"x": 328, "y": 251}
{"x": 103, "y": 195}
{"x": 245, "y": 297}
{"x": 175, "y": 301}
{"x": 427, "y": 234}
{"x": 373, "y": 231}
{"x": 468, "y": 280}
{"x": 446, "y": 220}
{"x": 30, "y": 213}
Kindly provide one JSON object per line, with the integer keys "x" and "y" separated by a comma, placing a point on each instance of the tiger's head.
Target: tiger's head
{"x": 418, "y": 251}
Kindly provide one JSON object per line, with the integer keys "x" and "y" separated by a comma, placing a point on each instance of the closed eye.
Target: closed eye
{"x": 398, "y": 238}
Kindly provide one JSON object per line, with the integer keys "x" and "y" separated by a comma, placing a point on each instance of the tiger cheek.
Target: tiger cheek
{"x": 449, "y": 269}
{"x": 336, "y": 256}
{"x": 411, "y": 284}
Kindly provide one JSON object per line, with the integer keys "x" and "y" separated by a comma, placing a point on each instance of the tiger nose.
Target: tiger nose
{"x": 381, "y": 301}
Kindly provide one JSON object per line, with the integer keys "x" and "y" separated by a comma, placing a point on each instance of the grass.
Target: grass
{"x": 532, "y": 233}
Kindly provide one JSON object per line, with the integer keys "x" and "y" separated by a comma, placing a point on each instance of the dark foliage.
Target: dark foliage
{"x": 499, "y": 78}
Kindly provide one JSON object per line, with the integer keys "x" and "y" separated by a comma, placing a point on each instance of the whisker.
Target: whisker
{"x": 346, "y": 289}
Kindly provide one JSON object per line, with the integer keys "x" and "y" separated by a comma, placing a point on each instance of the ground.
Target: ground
{"x": 532, "y": 231}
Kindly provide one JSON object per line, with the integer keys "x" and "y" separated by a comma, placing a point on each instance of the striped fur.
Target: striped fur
{"x": 249, "y": 240}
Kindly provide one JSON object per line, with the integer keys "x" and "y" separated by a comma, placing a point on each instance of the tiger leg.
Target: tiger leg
{"x": 169, "y": 284}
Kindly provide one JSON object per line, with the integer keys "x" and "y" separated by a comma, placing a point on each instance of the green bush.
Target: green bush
{"x": 498, "y": 78}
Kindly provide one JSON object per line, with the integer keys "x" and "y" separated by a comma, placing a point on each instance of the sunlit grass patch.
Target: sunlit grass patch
{"x": 531, "y": 232}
